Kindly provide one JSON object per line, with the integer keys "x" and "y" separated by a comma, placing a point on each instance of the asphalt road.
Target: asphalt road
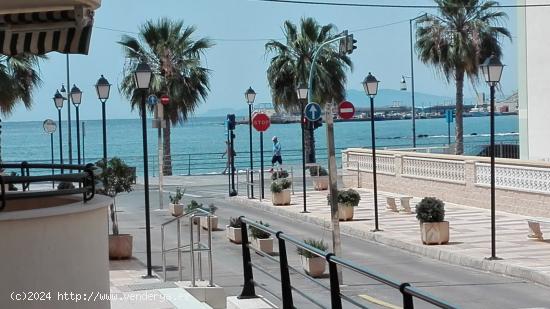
{"x": 464, "y": 287}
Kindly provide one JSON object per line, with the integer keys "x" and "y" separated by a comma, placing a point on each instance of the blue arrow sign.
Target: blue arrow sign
{"x": 152, "y": 100}
{"x": 312, "y": 111}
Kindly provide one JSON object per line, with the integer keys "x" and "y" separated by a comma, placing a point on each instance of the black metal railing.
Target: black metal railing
{"x": 408, "y": 292}
{"x": 83, "y": 175}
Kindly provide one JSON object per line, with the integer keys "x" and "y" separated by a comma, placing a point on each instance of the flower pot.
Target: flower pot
{"x": 120, "y": 246}
{"x": 176, "y": 209}
{"x": 213, "y": 223}
{"x": 320, "y": 183}
{"x": 264, "y": 245}
{"x": 233, "y": 234}
{"x": 314, "y": 266}
{"x": 345, "y": 213}
{"x": 281, "y": 198}
{"x": 434, "y": 233}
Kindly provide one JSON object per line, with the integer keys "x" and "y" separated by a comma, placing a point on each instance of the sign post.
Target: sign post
{"x": 261, "y": 123}
{"x": 449, "y": 116}
{"x": 49, "y": 127}
{"x": 346, "y": 110}
{"x": 161, "y": 123}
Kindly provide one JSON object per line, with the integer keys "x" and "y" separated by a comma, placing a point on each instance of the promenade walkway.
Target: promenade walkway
{"x": 469, "y": 229}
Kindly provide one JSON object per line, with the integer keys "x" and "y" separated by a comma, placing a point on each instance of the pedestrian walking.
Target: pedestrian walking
{"x": 230, "y": 156}
{"x": 277, "y": 158}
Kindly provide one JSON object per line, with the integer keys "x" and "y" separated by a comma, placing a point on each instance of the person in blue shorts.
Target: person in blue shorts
{"x": 276, "y": 152}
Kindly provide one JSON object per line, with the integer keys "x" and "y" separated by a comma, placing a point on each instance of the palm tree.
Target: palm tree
{"x": 18, "y": 78}
{"x": 457, "y": 41}
{"x": 175, "y": 58}
{"x": 291, "y": 64}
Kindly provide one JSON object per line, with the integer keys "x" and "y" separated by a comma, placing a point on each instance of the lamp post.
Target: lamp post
{"x": 58, "y": 100}
{"x": 76, "y": 98}
{"x": 492, "y": 71}
{"x": 371, "y": 88}
{"x": 142, "y": 77}
{"x": 403, "y": 87}
{"x": 302, "y": 92}
{"x": 250, "y": 96}
{"x": 69, "y": 124}
{"x": 102, "y": 88}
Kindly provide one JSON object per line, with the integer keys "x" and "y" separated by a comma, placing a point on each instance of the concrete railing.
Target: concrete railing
{"x": 523, "y": 187}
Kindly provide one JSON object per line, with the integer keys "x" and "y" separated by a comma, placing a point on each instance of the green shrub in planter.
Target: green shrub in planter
{"x": 313, "y": 171}
{"x": 430, "y": 209}
{"x": 193, "y": 205}
{"x": 279, "y": 174}
{"x": 319, "y": 244}
{"x": 277, "y": 186}
{"x": 235, "y": 222}
{"x": 257, "y": 233}
{"x": 65, "y": 185}
{"x": 349, "y": 197}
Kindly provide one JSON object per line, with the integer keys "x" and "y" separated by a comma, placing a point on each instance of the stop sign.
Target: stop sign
{"x": 261, "y": 122}
{"x": 346, "y": 110}
{"x": 164, "y": 99}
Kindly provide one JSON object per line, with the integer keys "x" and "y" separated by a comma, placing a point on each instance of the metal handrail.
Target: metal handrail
{"x": 408, "y": 292}
{"x": 191, "y": 248}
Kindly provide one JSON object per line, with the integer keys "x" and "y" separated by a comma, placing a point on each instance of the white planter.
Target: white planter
{"x": 345, "y": 213}
{"x": 213, "y": 223}
{"x": 281, "y": 198}
{"x": 315, "y": 266}
{"x": 434, "y": 233}
{"x": 233, "y": 234}
{"x": 176, "y": 209}
{"x": 265, "y": 245}
{"x": 320, "y": 183}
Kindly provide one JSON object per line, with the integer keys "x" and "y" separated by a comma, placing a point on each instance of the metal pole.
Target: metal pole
{"x": 303, "y": 158}
{"x": 161, "y": 162}
{"x": 250, "y": 142}
{"x": 412, "y": 83}
{"x": 83, "y": 144}
{"x": 146, "y": 184}
{"x": 228, "y": 164}
{"x": 449, "y": 132}
{"x": 373, "y": 143}
{"x": 232, "y": 166}
{"x": 262, "y": 162}
{"x": 69, "y": 114}
{"x": 492, "y": 151}
{"x": 78, "y": 133}
{"x": 60, "y": 140}
{"x": 51, "y": 146}
{"x": 105, "y": 130}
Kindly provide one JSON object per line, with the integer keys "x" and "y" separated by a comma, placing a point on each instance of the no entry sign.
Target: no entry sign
{"x": 346, "y": 110}
{"x": 164, "y": 99}
{"x": 261, "y": 122}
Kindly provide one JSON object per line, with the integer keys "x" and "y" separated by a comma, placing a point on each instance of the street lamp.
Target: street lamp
{"x": 142, "y": 79}
{"x": 76, "y": 98}
{"x": 58, "y": 101}
{"x": 403, "y": 87}
{"x": 492, "y": 71}
{"x": 250, "y": 96}
{"x": 371, "y": 88}
{"x": 302, "y": 92}
{"x": 102, "y": 88}
{"x": 69, "y": 135}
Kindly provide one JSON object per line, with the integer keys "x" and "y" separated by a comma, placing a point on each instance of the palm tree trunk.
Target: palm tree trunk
{"x": 309, "y": 141}
{"x": 167, "y": 166}
{"x": 459, "y": 124}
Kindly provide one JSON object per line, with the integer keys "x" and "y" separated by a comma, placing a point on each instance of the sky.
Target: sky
{"x": 240, "y": 29}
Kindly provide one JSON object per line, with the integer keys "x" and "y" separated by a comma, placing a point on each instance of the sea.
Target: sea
{"x": 197, "y": 145}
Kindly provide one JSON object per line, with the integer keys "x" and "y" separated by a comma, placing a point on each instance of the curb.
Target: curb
{"x": 432, "y": 252}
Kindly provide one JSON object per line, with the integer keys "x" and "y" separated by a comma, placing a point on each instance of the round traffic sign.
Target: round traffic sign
{"x": 312, "y": 111}
{"x": 261, "y": 122}
{"x": 49, "y": 126}
{"x": 164, "y": 99}
{"x": 152, "y": 100}
{"x": 346, "y": 110}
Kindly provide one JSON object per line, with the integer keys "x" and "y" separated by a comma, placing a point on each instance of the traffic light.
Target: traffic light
{"x": 230, "y": 121}
{"x": 313, "y": 125}
{"x": 350, "y": 43}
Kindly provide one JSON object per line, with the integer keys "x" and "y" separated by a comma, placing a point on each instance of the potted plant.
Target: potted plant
{"x": 213, "y": 218}
{"x": 313, "y": 264}
{"x": 280, "y": 193}
{"x": 347, "y": 201}
{"x": 262, "y": 240}
{"x": 116, "y": 177}
{"x": 176, "y": 207}
{"x": 194, "y": 205}
{"x": 431, "y": 214}
{"x": 319, "y": 176}
{"x": 279, "y": 174}
{"x": 233, "y": 230}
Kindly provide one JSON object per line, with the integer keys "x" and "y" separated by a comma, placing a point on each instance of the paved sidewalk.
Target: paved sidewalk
{"x": 470, "y": 231}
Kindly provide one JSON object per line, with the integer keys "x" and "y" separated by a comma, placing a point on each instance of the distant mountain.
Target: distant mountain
{"x": 223, "y": 112}
{"x": 388, "y": 97}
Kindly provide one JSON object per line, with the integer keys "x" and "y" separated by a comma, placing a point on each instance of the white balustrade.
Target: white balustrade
{"x": 514, "y": 177}
{"x": 434, "y": 169}
{"x": 385, "y": 164}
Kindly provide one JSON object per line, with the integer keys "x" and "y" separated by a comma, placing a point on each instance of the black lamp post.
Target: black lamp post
{"x": 250, "y": 96}
{"x": 69, "y": 124}
{"x": 142, "y": 77}
{"x": 58, "y": 100}
{"x": 492, "y": 71}
{"x": 403, "y": 87}
{"x": 371, "y": 88}
{"x": 76, "y": 98}
{"x": 103, "y": 87}
{"x": 302, "y": 92}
